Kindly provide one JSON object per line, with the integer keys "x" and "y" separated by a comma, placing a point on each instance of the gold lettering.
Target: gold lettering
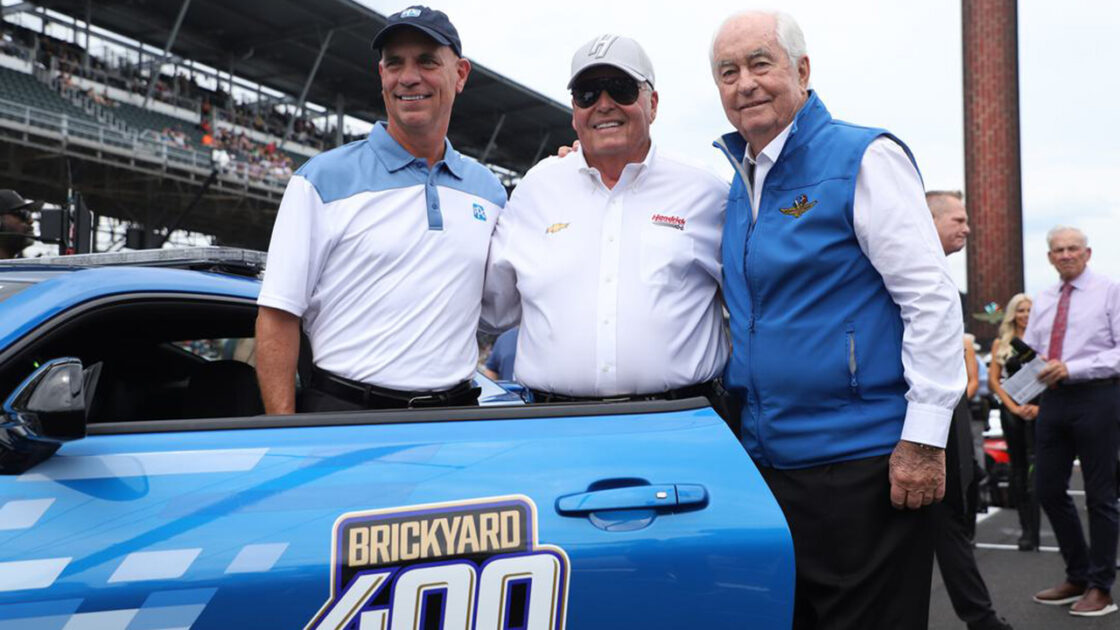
{"x": 409, "y": 533}
{"x": 358, "y": 550}
{"x": 429, "y": 545}
{"x": 488, "y": 526}
{"x": 511, "y": 529}
{"x": 379, "y": 544}
{"x": 468, "y": 536}
{"x": 395, "y": 538}
{"x": 453, "y": 534}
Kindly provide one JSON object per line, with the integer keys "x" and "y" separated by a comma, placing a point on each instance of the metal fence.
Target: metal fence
{"x": 141, "y": 146}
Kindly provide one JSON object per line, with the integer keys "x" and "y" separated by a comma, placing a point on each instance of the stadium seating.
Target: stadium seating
{"x": 140, "y": 119}
{"x": 25, "y": 89}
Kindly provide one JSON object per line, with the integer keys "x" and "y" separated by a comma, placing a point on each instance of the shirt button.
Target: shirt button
{"x": 610, "y": 279}
{"x": 610, "y": 238}
{"x": 606, "y": 369}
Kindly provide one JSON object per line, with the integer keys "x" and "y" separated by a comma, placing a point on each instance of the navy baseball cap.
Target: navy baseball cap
{"x": 431, "y": 22}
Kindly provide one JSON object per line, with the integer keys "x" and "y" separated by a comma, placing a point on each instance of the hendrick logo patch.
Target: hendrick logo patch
{"x": 677, "y": 223}
{"x": 800, "y": 206}
{"x": 479, "y": 212}
{"x": 464, "y": 564}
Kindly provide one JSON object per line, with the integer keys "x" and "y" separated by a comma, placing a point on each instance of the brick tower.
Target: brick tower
{"x": 993, "y": 192}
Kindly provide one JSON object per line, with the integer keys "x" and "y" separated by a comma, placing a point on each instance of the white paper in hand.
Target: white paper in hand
{"x": 1024, "y": 385}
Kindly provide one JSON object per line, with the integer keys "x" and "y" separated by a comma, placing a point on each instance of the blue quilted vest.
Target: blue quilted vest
{"x": 817, "y": 340}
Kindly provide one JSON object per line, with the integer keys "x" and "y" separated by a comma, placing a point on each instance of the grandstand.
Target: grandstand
{"x": 138, "y": 96}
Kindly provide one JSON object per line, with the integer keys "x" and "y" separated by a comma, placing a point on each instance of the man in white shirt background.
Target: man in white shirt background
{"x": 609, "y": 257}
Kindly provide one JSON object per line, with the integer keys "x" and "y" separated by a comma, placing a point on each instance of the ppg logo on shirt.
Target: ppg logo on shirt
{"x": 479, "y": 212}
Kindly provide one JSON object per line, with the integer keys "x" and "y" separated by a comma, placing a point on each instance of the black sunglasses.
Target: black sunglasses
{"x": 622, "y": 90}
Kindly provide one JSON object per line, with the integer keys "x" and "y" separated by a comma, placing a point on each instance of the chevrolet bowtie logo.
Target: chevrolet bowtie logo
{"x": 555, "y": 227}
{"x": 800, "y": 206}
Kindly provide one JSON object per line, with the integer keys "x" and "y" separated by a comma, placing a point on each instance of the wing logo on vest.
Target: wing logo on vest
{"x": 479, "y": 212}
{"x": 556, "y": 227}
{"x": 458, "y": 565}
{"x": 800, "y": 206}
{"x": 677, "y": 223}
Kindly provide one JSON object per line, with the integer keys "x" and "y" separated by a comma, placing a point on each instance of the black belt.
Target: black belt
{"x": 1097, "y": 382}
{"x": 700, "y": 389}
{"x": 363, "y": 393}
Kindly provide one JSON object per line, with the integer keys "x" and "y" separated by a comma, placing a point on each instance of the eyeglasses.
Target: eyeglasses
{"x": 623, "y": 91}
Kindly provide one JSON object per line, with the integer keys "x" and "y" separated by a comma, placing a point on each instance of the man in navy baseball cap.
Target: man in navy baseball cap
{"x": 379, "y": 231}
{"x": 431, "y": 22}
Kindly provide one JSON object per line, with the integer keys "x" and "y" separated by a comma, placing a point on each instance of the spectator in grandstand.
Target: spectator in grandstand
{"x": 379, "y": 247}
{"x": 16, "y": 231}
{"x": 610, "y": 256}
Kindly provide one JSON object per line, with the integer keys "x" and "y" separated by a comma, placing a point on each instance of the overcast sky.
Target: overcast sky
{"x": 875, "y": 62}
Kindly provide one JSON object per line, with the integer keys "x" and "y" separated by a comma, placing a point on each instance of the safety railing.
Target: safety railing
{"x": 143, "y": 146}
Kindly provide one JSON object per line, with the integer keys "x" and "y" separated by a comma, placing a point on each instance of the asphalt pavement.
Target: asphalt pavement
{"x": 1013, "y": 576}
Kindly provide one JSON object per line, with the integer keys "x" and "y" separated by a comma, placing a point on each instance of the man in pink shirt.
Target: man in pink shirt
{"x": 1075, "y": 325}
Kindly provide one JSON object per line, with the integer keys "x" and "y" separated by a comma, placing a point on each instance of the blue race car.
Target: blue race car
{"x": 142, "y": 488}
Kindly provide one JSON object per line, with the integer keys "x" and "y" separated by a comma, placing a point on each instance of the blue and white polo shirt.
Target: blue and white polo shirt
{"x": 383, "y": 259}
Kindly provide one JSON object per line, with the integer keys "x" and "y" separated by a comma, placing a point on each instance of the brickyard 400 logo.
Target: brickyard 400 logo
{"x": 467, "y": 564}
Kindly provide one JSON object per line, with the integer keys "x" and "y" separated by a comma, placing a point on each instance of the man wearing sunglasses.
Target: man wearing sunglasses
{"x": 609, "y": 257}
{"x": 16, "y": 231}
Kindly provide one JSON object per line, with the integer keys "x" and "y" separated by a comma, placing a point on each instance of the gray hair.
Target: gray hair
{"x": 789, "y": 34}
{"x": 935, "y": 199}
{"x": 1059, "y": 229}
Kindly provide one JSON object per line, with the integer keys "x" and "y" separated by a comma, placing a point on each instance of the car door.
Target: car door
{"x": 623, "y": 515}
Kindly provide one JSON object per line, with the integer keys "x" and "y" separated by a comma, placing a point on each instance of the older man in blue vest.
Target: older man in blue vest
{"x": 846, "y": 331}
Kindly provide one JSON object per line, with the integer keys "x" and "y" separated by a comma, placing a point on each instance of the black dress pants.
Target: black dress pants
{"x": 1082, "y": 421}
{"x": 1019, "y": 434}
{"x": 955, "y": 519}
{"x": 861, "y": 564}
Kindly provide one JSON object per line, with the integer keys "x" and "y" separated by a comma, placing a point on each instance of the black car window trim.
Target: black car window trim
{"x": 406, "y": 416}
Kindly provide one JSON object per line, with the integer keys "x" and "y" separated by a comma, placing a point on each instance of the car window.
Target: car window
{"x": 243, "y": 349}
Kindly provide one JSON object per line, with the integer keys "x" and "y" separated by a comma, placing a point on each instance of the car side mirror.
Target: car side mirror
{"x": 47, "y": 409}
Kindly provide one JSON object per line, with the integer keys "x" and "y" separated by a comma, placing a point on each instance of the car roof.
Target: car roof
{"x": 58, "y": 289}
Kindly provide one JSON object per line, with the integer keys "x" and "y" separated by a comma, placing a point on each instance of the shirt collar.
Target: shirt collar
{"x": 771, "y": 151}
{"x": 640, "y": 167}
{"x": 395, "y": 157}
{"x": 1080, "y": 282}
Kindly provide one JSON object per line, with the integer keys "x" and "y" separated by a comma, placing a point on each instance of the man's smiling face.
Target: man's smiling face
{"x": 760, "y": 90}
{"x": 419, "y": 81}
{"x": 607, "y": 128}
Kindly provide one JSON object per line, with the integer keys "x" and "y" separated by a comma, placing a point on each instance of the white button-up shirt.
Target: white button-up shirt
{"x": 616, "y": 289}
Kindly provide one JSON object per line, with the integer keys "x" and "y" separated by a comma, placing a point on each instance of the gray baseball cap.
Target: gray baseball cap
{"x": 616, "y": 51}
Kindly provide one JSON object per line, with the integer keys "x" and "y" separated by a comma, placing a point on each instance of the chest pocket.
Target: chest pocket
{"x": 666, "y": 254}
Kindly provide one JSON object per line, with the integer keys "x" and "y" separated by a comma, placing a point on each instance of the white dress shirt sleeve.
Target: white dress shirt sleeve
{"x": 895, "y": 231}
{"x": 501, "y": 301}
{"x": 297, "y": 250}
